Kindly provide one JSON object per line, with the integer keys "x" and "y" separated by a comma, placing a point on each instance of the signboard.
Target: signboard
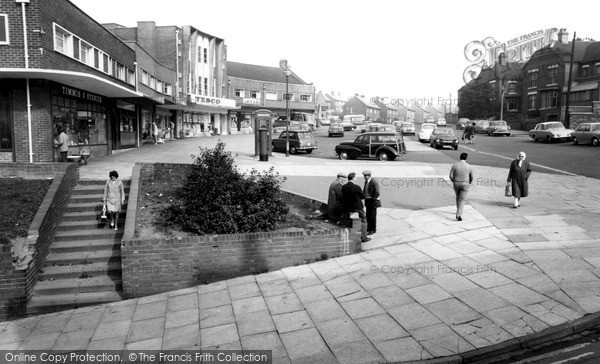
{"x": 212, "y": 101}
{"x": 246, "y": 100}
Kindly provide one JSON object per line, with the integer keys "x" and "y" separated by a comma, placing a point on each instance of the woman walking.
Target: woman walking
{"x": 517, "y": 177}
{"x": 114, "y": 197}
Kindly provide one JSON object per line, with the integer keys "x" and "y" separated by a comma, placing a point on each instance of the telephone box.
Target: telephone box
{"x": 263, "y": 130}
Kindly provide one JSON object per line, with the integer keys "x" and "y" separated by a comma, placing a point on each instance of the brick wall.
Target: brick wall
{"x": 19, "y": 270}
{"x": 154, "y": 266}
{"x": 585, "y": 117}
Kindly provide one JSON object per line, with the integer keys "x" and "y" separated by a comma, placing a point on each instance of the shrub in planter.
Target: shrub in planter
{"x": 216, "y": 198}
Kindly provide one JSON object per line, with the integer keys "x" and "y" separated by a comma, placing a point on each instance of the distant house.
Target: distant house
{"x": 359, "y": 105}
{"x": 420, "y": 114}
{"x": 406, "y": 113}
{"x": 388, "y": 112}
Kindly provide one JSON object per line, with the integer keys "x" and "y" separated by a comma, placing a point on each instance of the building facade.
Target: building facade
{"x": 388, "y": 112}
{"x": 256, "y": 87}
{"x": 60, "y": 68}
{"x": 359, "y": 105}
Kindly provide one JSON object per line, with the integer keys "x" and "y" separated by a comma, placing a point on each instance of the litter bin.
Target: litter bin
{"x": 263, "y": 141}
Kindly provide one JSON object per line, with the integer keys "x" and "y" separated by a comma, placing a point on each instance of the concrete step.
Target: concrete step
{"x": 110, "y": 269}
{"x": 90, "y": 234}
{"x": 73, "y": 246}
{"x": 103, "y": 256}
{"x": 44, "y": 304}
{"x": 83, "y": 183}
{"x": 87, "y": 215}
{"x": 88, "y": 224}
{"x": 77, "y": 285}
{"x": 89, "y": 197}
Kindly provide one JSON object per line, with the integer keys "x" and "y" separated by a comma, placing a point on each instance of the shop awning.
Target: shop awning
{"x": 584, "y": 86}
{"x": 83, "y": 81}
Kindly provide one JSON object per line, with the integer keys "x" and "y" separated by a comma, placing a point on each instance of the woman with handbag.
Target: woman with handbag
{"x": 518, "y": 175}
{"x": 114, "y": 197}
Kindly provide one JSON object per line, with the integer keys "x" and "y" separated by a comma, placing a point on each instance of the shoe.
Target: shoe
{"x": 365, "y": 240}
{"x": 459, "y": 218}
{"x": 112, "y": 224}
{"x": 116, "y": 228}
{"x": 370, "y": 232}
{"x": 515, "y": 206}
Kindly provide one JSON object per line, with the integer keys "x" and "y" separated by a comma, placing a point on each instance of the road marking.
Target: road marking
{"x": 552, "y": 353}
{"x": 533, "y": 164}
{"x": 573, "y": 358}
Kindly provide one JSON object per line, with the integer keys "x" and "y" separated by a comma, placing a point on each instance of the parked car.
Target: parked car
{"x": 481, "y": 126}
{"x": 462, "y": 123}
{"x": 429, "y": 120}
{"x": 381, "y": 127}
{"x": 348, "y": 125}
{"x": 441, "y": 122}
{"x": 325, "y": 121}
{"x": 366, "y": 126}
{"x": 336, "y": 129}
{"x": 382, "y": 145}
{"x": 425, "y": 132}
{"x": 550, "y": 132}
{"x": 406, "y": 128}
{"x": 300, "y": 140}
{"x": 587, "y": 133}
{"x": 498, "y": 127}
{"x": 443, "y": 137}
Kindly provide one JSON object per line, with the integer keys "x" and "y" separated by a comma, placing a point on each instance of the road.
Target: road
{"x": 564, "y": 158}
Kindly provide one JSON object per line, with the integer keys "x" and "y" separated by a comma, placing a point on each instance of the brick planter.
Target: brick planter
{"x": 154, "y": 266}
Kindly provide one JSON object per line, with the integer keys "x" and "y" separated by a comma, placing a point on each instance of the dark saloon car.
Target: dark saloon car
{"x": 336, "y": 129}
{"x": 300, "y": 140}
{"x": 383, "y": 145}
{"x": 443, "y": 137}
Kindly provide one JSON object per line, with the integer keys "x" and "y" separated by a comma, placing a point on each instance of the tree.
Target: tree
{"x": 476, "y": 101}
{"x": 216, "y": 198}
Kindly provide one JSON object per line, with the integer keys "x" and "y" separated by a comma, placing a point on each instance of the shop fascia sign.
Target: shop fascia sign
{"x": 80, "y": 94}
{"x": 212, "y": 101}
{"x": 249, "y": 101}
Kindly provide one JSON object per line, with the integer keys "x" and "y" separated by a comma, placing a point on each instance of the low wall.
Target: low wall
{"x": 20, "y": 264}
{"x": 155, "y": 266}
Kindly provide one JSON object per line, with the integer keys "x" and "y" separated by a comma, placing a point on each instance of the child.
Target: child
{"x": 114, "y": 197}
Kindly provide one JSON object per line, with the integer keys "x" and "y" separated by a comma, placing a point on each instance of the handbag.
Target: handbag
{"x": 103, "y": 217}
{"x": 507, "y": 191}
{"x": 377, "y": 203}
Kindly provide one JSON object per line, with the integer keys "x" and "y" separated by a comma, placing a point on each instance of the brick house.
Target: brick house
{"x": 388, "y": 112}
{"x": 359, "y": 105}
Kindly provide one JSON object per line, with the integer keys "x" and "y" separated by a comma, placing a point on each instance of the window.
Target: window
{"x": 4, "y": 29}
{"x": 531, "y": 101}
{"x": 205, "y": 86}
{"x": 305, "y": 98}
{"x": 205, "y": 55}
{"x": 105, "y": 63}
{"x": 533, "y": 79}
{"x": 597, "y": 69}
{"x": 62, "y": 40}
{"x": 271, "y": 96}
{"x": 254, "y": 95}
{"x": 145, "y": 76}
{"x": 549, "y": 99}
{"x": 121, "y": 74}
{"x": 585, "y": 71}
{"x": 240, "y": 92}
{"x": 512, "y": 104}
{"x": 199, "y": 54}
{"x": 581, "y": 96}
{"x": 168, "y": 89}
{"x": 131, "y": 77}
{"x": 552, "y": 74}
{"x": 159, "y": 86}
{"x": 289, "y": 97}
{"x": 512, "y": 87}
{"x": 86, "y": 54}
{"x": 6, "y": 134}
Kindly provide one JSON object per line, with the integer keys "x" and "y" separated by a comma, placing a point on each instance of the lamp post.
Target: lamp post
{"x": 287, "y": 74}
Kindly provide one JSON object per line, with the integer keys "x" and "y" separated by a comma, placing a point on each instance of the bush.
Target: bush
{"x": 216, "y": 198}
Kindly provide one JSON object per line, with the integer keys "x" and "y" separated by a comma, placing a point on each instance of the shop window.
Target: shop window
{"x": 4, "y": 29}
{"x": 84, "y": 123}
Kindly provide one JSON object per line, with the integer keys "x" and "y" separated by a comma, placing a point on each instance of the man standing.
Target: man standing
{"x": 461, "y": 175}
{"x": 372, "y": 201}
{"x": 62, "y": 143}
{"x": 353, "y": 196}
{"x": 172, "y": 129}
{"x": 335, "y": 200}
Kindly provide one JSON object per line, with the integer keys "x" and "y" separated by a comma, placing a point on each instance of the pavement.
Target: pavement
{"x": 426, "y": 287}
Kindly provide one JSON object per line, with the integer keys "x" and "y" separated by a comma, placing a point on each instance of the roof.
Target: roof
{"x": 580, "y": 49}
{"x": 261, "y": 73}
{"x": 367, "y": 103}
{"x": 592, "y": 53}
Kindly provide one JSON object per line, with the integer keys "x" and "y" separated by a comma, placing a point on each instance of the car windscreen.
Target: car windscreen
{"x": 428, "y": 127}
{"x": 498, "y": 123}
{"x": 554, "y": 126}
{"x": 445, "y": 133}
{"x": 335, "y": 125}
{"x": 304, "y": 136}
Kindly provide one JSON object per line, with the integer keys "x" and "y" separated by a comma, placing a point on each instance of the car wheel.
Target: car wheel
{"x": 456, "y": 147}
{"x": 575, "y": 141}
{"x": 548, "y": 139}
{"x": 489, "y": 133}
{"x": 273, "y": 147}
{"x": 343, "y": 155}
{"x": 384, "y": 156}
{"x": 595, "y": 142}
{"x": 308, "y": 151}
{"x": 293, "y": 150}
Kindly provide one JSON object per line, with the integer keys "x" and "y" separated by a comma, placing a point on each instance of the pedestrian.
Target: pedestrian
{"x": 372, "y": 201}
{"x": 461, "y": 175}
{"x": 335, "y": 199}
{"x": 353, "y": 196}
{"x": 469, "y": 134}
{"x": 114, "y": 197}
{"x": 172, "y": 129}
{"x": 62, "y": 143}
{"x": 154, "y": 132}
{"x": 517, "y": 178}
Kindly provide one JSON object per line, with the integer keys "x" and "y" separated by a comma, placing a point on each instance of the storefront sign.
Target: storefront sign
{"x": 251, "y": 101}
{"x": 73, "y": 92}
{"x": 212, "y": 101}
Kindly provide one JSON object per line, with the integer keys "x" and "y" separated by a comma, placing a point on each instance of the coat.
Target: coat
{"x": 519, "y": 176}
{"x": 335, "y": 198}
{"x": 353, "y": 196}
{"x": 372, "y": 189}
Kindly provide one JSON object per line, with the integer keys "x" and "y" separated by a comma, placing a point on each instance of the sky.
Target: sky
{"x": 399, "y": 50}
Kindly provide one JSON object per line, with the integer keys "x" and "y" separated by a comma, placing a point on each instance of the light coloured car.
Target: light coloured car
{"x": 462, "y": 123}
{"x": 325, "y": 121}
{"x": 425, "y": 132}
{"x": 551, "y": 131}
{"x": 348, "y": 125}
{"x": 366, "y": 126}
{"x": 498, "y": 127}
{"x": 441, "y": 122}
{"x": 406, "y": 128}
{"x": 481, "y": 126}
{"x": 587, "y": 133}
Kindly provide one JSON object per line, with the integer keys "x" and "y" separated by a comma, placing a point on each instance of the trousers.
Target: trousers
{"x": 461, "y": 189}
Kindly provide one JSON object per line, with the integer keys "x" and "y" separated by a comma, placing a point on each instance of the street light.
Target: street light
{"x": 287, "y": 74}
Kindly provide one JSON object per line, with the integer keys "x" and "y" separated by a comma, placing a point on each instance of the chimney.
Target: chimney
{"x": 563, "y": 36}
{"x": 283, "y": 64}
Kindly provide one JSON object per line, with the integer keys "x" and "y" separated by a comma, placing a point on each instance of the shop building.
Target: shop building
{"x": 199, "y": 105}
{"x": 256, "y": 87}
{"x": 61, "y": 68}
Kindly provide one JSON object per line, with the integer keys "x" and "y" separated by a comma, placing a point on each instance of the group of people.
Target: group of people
{"x": 347, "y": 198}
{"x": 153, "y": 132}
{"x": 469, "y": 134}
{"x": 461, "y": 175}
